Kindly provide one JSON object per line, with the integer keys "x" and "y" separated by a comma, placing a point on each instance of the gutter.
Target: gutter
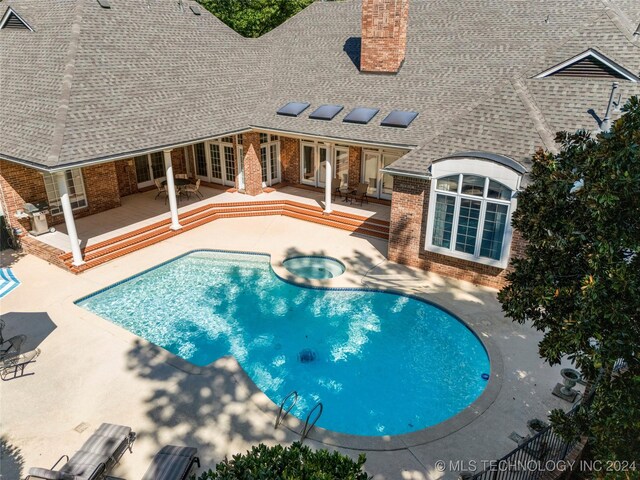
{"x": 119, "y": 156}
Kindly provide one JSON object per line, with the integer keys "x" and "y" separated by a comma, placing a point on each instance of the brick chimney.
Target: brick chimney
{"x": 384, "y": 35}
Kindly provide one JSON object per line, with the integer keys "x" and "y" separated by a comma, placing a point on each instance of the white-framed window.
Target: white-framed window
{"x": 470, "y": 213}
{"x": 75, "y": 188}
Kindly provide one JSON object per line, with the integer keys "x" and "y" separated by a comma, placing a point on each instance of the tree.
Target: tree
{"x": 253, "y": 18}
{"x": 295, "y": 462}
{"x": 579, "y": 280}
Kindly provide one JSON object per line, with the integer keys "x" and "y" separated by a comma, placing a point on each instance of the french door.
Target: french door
{"x": 270, "y": 161}
{"x": 216, "y": 161}
{"x": 314, "y": 163}
{"x": 149, "y": 168}
{"x": 380, "y": 183}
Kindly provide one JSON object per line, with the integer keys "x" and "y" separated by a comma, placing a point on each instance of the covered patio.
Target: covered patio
{"x": 142, "y": 210}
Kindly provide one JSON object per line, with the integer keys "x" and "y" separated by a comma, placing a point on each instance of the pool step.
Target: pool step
{"x": 121, "y": 245}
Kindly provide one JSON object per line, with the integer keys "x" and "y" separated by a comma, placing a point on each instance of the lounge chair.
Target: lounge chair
{"x": 13, "y": 346}
{"x": 96, "y": 457}
{"x": 172, "y": 463}
{"x": 15, "y": 365}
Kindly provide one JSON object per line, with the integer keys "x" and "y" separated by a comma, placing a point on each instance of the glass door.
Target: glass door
{"x": 308, "y": 171}
{"x": 215, "y": 162}
{"x": 323, "y": 157}
{"x": 370, "y": 168}
{"x": 229, "y": 166}
{"x": 149, "y": 168}
{"x": 341, "y": 163}
{"x": 240, "y": 167}
{"x": 386, "y": 180}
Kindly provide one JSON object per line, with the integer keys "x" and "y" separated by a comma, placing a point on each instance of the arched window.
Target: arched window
{"x": 470, "y": 210}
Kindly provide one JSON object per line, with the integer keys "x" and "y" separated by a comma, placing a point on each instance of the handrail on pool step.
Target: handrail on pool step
{"x": 281, "y": 416}
{"x": 307, "y": 427}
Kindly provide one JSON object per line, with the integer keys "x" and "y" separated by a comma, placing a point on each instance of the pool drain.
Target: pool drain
{"x": 307, "y": 355}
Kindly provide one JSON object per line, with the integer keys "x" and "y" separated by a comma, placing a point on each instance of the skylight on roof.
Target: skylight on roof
{"x": 399, "y": 119}
{"x": 326, "y": 112}
{"x": 104, "y": 3}
{"x": 293, "y": 109}
{"x": 361, "y": 115}
{"x": 195, "y": 10}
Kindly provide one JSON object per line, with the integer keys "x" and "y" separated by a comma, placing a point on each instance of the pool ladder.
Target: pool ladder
{"x": 308, "y": 425}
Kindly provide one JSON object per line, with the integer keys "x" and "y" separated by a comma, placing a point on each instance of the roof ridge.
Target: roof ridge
{"x": 620, "y": 20}
{"x": 67, "y": 80}
{"x": 535, "y": 113}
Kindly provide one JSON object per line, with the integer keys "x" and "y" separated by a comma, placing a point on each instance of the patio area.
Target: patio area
{"x": 143, "y": 209}
{"x": 91, "y": 371}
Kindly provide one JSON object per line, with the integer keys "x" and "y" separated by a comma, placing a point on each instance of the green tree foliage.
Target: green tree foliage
{"x": 579, "y": 281}
{"x": 296, "y": 462}
{"x": 253, "y": 18}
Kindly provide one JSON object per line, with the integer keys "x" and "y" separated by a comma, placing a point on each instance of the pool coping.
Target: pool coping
{"x": 319, "y": 434}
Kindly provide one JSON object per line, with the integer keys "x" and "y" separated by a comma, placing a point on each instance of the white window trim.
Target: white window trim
{"x": 267, "y": 146}
{"x": 594, "y": 54}
{"x": 482, "y": 168}
{"x": 381, "y": 153}
{"x": 77, "y": 175}
{"x": 219, "y": 144}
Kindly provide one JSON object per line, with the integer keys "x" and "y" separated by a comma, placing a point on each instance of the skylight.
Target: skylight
{"x": 293, "y": 109}
{"x": 399, "y": 119}
{"x": 326, "y": 112}
{"x": 104, "y": 3}
{"x": 361, "y": 115}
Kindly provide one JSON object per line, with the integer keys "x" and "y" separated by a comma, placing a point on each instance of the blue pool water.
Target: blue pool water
{"x": 314, "y": 267}
{"x": 381, "y": 364}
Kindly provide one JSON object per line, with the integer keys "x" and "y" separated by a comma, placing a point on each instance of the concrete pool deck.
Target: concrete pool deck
{"x": 91, "y": 371}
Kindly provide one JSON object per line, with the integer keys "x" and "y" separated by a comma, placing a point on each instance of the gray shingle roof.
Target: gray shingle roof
{"x": 91, "y": 83}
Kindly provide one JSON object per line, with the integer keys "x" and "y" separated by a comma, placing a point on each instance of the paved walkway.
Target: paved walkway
{"x": 91, "y": 371}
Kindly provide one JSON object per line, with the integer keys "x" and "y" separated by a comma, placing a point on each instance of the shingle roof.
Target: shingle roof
{"x": 92, "y": 83}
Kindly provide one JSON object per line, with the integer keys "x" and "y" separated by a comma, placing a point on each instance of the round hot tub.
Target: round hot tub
{"x": 314, "y": 267}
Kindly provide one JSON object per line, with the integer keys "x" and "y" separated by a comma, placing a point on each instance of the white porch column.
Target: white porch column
{"x": 171, "y": 192}
{"x": 327, "y": 186}
{"x": 61, "y": 185}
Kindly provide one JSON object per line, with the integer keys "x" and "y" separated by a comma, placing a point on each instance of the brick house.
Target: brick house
{"x": 437, "y": 107}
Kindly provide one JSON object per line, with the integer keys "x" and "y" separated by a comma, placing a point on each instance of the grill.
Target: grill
{"x": 37, "y": 213}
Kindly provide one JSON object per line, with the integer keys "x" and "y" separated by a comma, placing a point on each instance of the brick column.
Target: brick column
{"x": 355, "y": 162}
{"x": 252, "y": 167}
{"x": 290, "y": 159}
{"x": 409, "y": 207}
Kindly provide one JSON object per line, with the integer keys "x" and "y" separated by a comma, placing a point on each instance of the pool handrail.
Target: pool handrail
{"x": 281, "y": 416}
{"x": 307, "y": 427}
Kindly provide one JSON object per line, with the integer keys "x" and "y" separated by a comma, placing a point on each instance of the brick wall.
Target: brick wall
{"x": 290, "y": 159}
{"x": 20, "y": 185}
{"x": 355, "y": 162}
{"x": 179, "y": 160}
{"x": 101, "y": 187}
{"x": 384, "y": 35}
{"x": 407, "y": 239}
{"x": 252, "y": 166}
{"x": 126, "y": 177}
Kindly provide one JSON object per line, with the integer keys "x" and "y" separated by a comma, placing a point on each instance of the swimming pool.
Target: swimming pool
{"x": 381, "y": 363}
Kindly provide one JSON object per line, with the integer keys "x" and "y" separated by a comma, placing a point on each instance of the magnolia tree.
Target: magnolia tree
{"x": 579, "y": 280}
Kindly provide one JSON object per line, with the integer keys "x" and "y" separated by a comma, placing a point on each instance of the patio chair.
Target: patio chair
{"x": 14, "y": 344}
{"x": 360, "y": 193}
{"x": 172, "y": 463}
{"x": 16, "y": 365}
{"x": 178, "y": 190}
{"x": 182, "y": 175}
{"x": 96, "y": 457}
{"x": 160, "y": 187}
{"x": 335, "y": 187}
{"x": 194, "y": 189}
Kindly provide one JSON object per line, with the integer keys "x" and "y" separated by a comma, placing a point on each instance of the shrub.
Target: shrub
{"x": 296, "y": 462}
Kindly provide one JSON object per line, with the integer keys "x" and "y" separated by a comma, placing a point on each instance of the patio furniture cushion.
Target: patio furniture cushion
{"x": 85, "y": 464}
{"x": 49, "y": 474}
{"x": 111, "y": 430}
{"x": 171, "y": 463}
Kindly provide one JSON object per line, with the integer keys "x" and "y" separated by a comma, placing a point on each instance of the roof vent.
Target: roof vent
{"x": 104, "y": 3}
{"x": 194, "y": 9}
{"x": 590, "y": 64}
{"x": 11, "y": 19}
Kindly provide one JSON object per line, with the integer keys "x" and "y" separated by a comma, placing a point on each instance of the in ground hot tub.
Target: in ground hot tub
{"x": 314, "y": 267}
